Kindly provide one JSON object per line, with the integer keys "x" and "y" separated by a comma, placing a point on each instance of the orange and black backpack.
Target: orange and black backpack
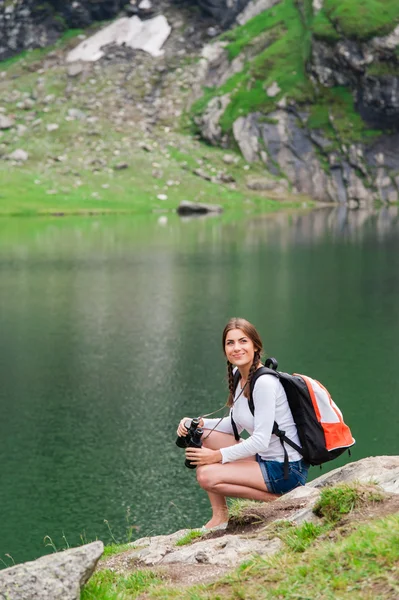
{"x": 321, "y": 429}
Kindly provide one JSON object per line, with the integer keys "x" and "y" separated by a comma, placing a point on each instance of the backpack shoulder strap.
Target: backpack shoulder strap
{"x": 258, "y": 373}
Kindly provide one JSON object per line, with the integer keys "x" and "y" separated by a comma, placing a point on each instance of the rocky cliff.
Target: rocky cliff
{"x": 309, "y": 89}
{"x": 312, "y": 90}
{"x": 28, "y": 24}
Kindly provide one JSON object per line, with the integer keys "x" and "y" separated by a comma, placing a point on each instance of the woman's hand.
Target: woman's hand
{"x": 182, "y": 429}
{"x": 203, "y": 456}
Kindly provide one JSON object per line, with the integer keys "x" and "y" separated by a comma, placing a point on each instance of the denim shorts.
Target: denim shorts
{"x": 273, "y": 474}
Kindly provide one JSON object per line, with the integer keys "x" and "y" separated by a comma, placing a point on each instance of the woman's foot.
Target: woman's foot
{"x": 218, "y": 519}
{"x": 219, "y": 527}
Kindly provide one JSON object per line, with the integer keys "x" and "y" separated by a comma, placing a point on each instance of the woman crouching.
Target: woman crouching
{"x": 251, "y": 468}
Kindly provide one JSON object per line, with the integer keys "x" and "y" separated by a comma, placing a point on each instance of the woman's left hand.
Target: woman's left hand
{"x": 203, "y": 456}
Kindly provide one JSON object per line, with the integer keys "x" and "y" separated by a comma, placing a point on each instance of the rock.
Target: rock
{"x": 162, "y": 197}
{"x": 264, "y": 184}
{"x": 254, "y": 8}
{"x": 146, "y": 147}
{"x": 212, "y": 31}
{"x": 148, "y": 36}
{"x": 76, "y": 114}
{"x": 209, "y": 122}
{"x": 246, "y": 135}
{"x": 49, "y": 99}
{"x": 52, "y": 127}
{"x": 21, "y": 129}
{"x": 229, "y": 159}
{"x": 225, "y": 177}
{"x": 201, "y": 173}
{"x": 223, "y": 11}
{"x": 75, "y": 69}
{"x": 58, "y": 576}
{"x": 273, "y": 90}
{"x": 146, "y": 7}
{"x": 19, "y": 155}
{"x": 120, "y": 166}
{"x": 383, "y": 470}
{"x": 197, "y": 208}
{"x": 6, "y": 122}
{"x": 229, "y": 550}
{"x": 309, "y": 497}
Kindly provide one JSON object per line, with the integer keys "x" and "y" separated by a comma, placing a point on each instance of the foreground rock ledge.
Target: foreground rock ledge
{"x": 227, "y": 550}
{"x": 58, "y": 576}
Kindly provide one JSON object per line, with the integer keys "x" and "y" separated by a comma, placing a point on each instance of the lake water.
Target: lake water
{"x": 110, "y": 333}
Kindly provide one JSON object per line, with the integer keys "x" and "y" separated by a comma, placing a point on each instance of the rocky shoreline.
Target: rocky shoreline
{"x": 209, "y": 556}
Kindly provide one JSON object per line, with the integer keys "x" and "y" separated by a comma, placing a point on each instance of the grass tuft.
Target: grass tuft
{"x": 340, "y": 500}
{"x": 300, "y": 537}
{"x": 189, "y": 537}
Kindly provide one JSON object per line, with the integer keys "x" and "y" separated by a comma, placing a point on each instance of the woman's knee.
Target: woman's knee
{"x": 206, "y": 476}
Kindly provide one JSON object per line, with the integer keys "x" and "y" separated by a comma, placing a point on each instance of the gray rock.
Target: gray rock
{"x": 264, "y": 184}
{"x": 246, "y": 134}
{"x": 209, "y": 122}
{"x": 229, "y": 550}
{"x": 19, "y": 155}
{"x": 203, "y": 174}
{"x": 58, "y": 576}
{"x": 273, "y": 90}
{"x": 383, "y": 470}
{"x": 77, "y": 114}
{"x": 254, "y": 8}
{"x": 75, "y": 69}
{"x": 6, "y": 122}
{"x": 229, "y": 159}
{"x": 197, "y": 208}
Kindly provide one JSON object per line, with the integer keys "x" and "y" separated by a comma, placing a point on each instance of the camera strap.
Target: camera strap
{"x": 221, "y": 408}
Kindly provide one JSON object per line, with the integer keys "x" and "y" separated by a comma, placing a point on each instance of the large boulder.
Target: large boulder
{"x": 58, "y": 576}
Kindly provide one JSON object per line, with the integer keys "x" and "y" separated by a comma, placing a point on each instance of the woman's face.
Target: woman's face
{"x": 239, "y": 348}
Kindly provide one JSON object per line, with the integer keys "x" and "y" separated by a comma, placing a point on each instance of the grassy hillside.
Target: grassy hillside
{"x": 104, "y": 157}
{"x": 277, "y": 47}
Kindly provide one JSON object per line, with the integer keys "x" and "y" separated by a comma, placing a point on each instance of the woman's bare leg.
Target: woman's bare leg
{"x": 241, "y": 479}
{"x": 215, "y": 441}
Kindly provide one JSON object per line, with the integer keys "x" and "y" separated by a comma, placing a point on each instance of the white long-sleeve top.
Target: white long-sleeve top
{"x": 271, "y": 404}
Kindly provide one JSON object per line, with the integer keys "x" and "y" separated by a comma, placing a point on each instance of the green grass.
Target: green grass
{"x": 362, "y": 20}
{"x": 113, "y": 549}
{"x": 382, "y": 68}
{"x": 301, "y": 537}
{"x": 323, "y": 29}
{"x": 75, "y": 184}
{"x": 282, "y": 61}
{"x": 334, "y": 113}
{"x": 360, "y": 566}
{"x": 107, "y": 585}
{"x": 189, "y": 537}
{"x": 340, "y": 500}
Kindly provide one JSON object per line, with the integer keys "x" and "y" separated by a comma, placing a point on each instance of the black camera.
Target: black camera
{"x": 192, "y": 439}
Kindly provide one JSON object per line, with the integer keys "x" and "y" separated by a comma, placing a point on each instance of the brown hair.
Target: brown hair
{"x": 250, "y": 331}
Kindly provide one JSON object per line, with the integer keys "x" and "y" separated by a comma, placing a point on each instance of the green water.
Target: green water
{"x": 110, "y": 333}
